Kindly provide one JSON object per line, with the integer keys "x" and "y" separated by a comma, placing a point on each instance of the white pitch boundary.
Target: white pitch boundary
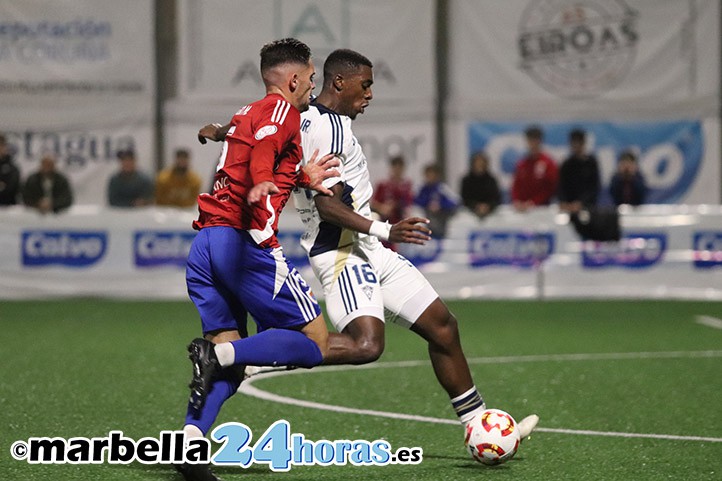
{"x": 250, "y": 390}
{"x": 709, "y": 321}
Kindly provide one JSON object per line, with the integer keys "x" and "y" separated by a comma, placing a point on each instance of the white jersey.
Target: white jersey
{"x": 324, "y": 130}
{"x": 360, "y": 276}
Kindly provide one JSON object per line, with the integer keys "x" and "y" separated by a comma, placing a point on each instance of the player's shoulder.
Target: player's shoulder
{"x": 272, "y": 107}
{"x": 317, "y": 122}
{"x": 316, "y": 114}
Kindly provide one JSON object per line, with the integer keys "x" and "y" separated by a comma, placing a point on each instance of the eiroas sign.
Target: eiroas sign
{"x": 577, "y": 48}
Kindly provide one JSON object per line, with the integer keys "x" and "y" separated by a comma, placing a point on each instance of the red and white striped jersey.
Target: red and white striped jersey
{"x": 262, "y": 144}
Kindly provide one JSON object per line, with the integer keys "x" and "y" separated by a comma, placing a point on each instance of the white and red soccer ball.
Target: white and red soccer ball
{"x": 492, "y": 437}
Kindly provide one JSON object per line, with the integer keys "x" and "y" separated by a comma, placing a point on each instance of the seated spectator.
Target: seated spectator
{"x": 393, "y": 197}
{"x": 47, "y": 189}
{"x": 627, "y": 185}
{"x": 129, "y": 187}
{"x": 479, "y": 189}
{"x": 438, "y": 201}
{"x": 536, "y": 174}
{"x": 178, "y": 186}
{"x": 579, "y": 183}
{"x": 9, "y": 175}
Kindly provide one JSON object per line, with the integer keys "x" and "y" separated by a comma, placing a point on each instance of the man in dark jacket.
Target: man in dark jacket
{"x": 9, "y": 175}
{"x": 579, "y": 182}
{"x": 47, "y": 189}
{"x": 479, "y": 189}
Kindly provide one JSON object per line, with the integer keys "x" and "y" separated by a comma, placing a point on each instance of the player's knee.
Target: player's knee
{"x": 370, "y": 349}
{"x": 438, "y": 325}
{"x": 447, "y": 331}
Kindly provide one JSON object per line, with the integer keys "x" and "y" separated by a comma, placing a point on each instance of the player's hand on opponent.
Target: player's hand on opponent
{"x": 210, "y": 131}
{"x": 260, "y": 190}
{"x": 411, "y": 230}
{"x": 320, "y": 170}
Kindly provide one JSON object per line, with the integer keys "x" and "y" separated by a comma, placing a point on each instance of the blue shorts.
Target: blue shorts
{"x": 229, "y": 276}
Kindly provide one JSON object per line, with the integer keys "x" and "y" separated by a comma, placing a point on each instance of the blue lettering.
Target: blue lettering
{"x": 154, "y": 248}
{"x": 707, "y": 247}
{"x": 634, "y": 251}
{"x": 65, "y": 248}
{"x": 509, "y": 248}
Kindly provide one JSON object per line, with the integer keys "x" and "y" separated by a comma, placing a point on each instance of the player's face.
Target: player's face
{"x": 357, "y": 92}
{"x": 306, "y": 84}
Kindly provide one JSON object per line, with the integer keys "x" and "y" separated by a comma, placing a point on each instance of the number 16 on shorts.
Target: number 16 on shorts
{"x": 280, "y": 449}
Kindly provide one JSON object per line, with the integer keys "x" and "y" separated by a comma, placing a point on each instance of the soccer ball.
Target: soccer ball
{"x": 492, "y": 437}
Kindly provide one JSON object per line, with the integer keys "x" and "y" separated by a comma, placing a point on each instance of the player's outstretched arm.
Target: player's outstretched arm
{"x": 331, "y": 209}
{"x": 214, "y": 132}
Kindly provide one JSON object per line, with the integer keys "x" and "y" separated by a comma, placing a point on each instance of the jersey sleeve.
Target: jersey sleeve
{"x": 324, "y": 137}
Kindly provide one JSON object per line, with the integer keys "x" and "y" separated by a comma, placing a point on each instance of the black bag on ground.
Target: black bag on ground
{"x": 597, "y": 224}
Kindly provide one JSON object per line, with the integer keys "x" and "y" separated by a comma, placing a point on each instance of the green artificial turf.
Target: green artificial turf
{"x": 86, "y": 367}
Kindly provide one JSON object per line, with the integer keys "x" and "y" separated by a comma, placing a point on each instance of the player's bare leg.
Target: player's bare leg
{"x": 438, "y": 326}
{"x": 361, "y": 342}
{"x": 317, "y": 331}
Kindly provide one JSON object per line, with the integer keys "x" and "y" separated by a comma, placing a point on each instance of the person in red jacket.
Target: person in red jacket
{"x": 536, "y": 175}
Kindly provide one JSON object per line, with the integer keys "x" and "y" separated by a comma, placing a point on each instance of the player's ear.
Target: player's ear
{"x": 293, "y": 82}
{"x": 338, "y": 82}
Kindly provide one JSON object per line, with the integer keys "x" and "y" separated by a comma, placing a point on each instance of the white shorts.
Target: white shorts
{"x": 368, "y": 279}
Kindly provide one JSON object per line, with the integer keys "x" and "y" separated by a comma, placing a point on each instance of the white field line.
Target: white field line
{"x": 709, "y": 321}
{"x": 250, "y": 390}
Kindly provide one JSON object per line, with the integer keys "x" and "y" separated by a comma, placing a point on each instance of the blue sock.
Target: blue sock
{"x": 221, "y": 390}
{"x": 277, "y": 347}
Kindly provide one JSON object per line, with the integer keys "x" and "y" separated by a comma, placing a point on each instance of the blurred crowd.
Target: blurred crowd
{"x": 538, "y": 180}
{"x": 49, "y": 191}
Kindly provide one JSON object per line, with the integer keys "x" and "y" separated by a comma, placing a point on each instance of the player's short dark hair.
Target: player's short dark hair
{"x": 577, "y": 135}
{"x": 534, "y": 132}
{"x": 183, "y": 153}
{"x": 285, "y": 50}
{"x": 343, "y": 60}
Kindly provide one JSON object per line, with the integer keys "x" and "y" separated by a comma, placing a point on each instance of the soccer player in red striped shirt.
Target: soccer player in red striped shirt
{"x": 236, "y": 265}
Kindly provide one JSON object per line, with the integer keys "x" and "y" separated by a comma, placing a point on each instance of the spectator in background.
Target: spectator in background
{"x": 393, "y": 197}
{"x": 627, "y": 185}
{"x": 536, "y": 174}
{"x": 438, "y": 201}
{"x": 47, "y": 190}
{"x": 479, "y": 189}
{"x": 9, "y": 175}
{"x": 579, "y": 183}
{"x": 178, "y": 186}
{"x": 129, "y": 187}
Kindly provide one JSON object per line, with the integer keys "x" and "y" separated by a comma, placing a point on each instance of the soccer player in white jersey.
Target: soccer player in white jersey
{"x": 362, "y": 278}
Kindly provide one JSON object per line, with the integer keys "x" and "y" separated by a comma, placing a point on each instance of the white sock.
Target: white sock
{"x": 192, "y": 431}
{"x": 468, "y": 405}
{"x": 226, "y": 354}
